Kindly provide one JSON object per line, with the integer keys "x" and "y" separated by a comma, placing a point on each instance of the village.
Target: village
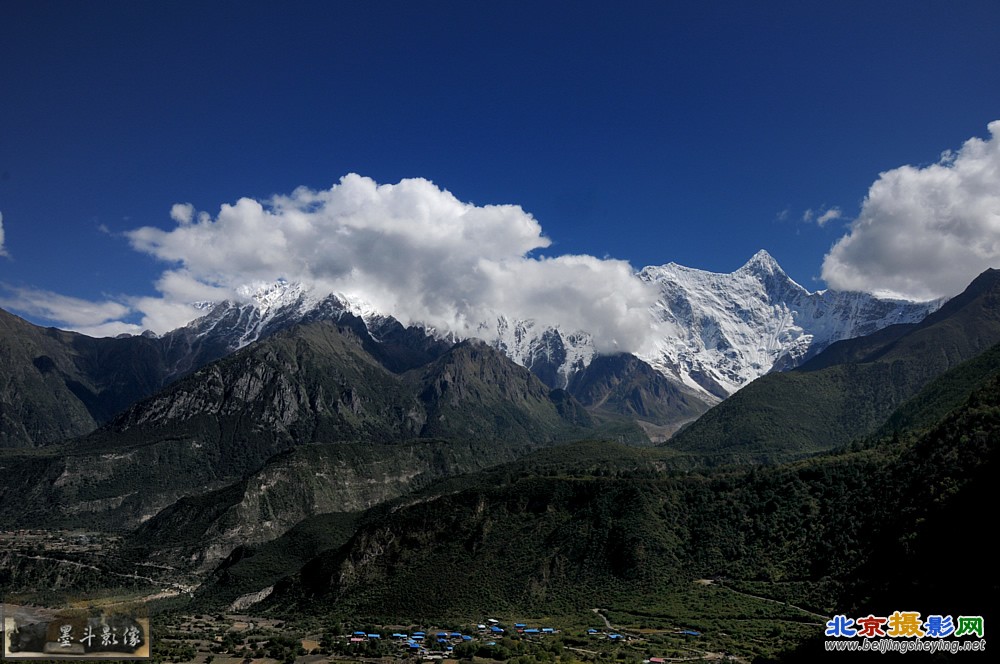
{"x": 243, "y": 639}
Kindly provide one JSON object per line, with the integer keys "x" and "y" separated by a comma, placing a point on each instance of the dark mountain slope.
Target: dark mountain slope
{"x": 625, "y": 385}
{"x": 582, "y": 525}
{"x": 313, "y": 383}
{"x": 453, "y": 388}
{"x": 305, "y": 481}
{"x": 942, "y": 395}
{"x": 56, "y": 385}
{"x": 535, "y": 544}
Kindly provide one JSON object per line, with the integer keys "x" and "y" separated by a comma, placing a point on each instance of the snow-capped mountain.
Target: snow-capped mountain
{"x": 548, "y": 352}
{"x": 715, "y": 332}
{"x": 728, "y": 329}
{"x": 261, "y": 309}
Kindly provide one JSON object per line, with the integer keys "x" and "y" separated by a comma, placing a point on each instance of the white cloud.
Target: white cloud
{"x": 182, "y": 213}
{"x": 75, "y": 313}
{"x": 411, "y": 249}
{"x": 822, "y": 217}
{"x": 925, "y": 232}
{"x": 829, "y": 215}
{"x": 3, "y": 249}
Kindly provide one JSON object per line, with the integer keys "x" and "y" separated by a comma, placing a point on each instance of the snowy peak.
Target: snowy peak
{"x": 270, "y": 296}
{"x": 763, "y": 263}
{"x": 729, "y": 329}
{"x": 714, "y": 332}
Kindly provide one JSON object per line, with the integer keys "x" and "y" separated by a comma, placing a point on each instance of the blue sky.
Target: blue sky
{"x": 647, "y": 132}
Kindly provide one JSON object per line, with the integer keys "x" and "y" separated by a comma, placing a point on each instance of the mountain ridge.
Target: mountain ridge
{"x": 717, "y": 333}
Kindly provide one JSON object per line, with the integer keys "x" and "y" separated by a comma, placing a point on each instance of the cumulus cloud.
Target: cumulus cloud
{"x": 182, "y": 213}
{"x": 3, "y": 249}
{"x": 925, "y": 232}
{"x": 410, "y": 249}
